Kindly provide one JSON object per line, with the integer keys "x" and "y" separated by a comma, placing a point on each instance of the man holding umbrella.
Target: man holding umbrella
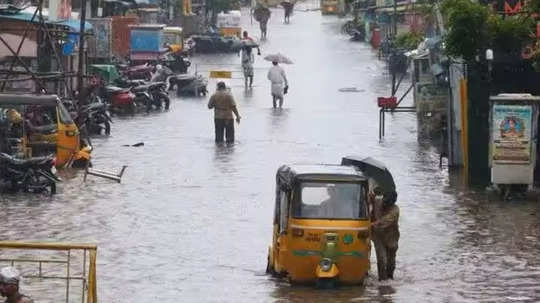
{"x": 288, "y": 6}
{"x": 277, "y": 77}
{"x": 248, "y": 59}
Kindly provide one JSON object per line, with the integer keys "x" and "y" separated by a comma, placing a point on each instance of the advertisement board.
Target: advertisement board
{"x": 511, "y": 137}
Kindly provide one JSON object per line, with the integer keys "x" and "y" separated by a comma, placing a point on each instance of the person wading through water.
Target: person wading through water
{"x": 247, "y": 65}
{"x": 385, "y": 231}
{"x": 280, "y": 85}
{"x": 9, "y": 286}
{"x": 224, "y": 106}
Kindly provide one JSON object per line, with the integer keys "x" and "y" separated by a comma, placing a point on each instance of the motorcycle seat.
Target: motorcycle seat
{"x": 185, "y": 77}
{"x": 25, "y": 162}
{"x": 140, "y": 88}
{"x": 115, "y": 89}
{"x": 155, "y": 84}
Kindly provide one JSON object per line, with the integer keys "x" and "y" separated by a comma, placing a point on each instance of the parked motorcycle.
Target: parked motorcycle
{"x": 189, "y": 84}
{"x": 120, "y": 100}
{"x": 152, "y": 94}
{"x": 176, "y": 63}
{"x": 137, "y": 72}
{"x": 96, "y": 117}
{"x": 30, "y": 175}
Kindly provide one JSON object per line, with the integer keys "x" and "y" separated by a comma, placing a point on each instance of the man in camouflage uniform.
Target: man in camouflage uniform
{"x": 9, "y": 286}
{"x": 385, "y": 233}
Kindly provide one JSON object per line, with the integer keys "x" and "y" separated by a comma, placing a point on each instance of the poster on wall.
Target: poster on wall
{"x": 511, "y": 137}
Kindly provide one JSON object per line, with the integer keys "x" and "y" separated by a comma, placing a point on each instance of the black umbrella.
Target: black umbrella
{"x": 374, "y": 169}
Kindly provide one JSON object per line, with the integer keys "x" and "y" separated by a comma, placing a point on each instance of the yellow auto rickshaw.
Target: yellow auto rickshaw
{"x": 321, "y": 225}
{"x": 174, "y": 38}
{"x": 45, "y": 127}
{"x": 329, "y": 7}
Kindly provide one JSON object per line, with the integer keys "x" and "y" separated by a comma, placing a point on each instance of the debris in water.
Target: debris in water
{"x": 351, "y": 90}
{"x": 135, "y": 145}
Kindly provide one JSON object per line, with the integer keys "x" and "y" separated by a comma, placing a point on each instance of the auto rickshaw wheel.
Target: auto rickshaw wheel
{"x": 269, "y": 268}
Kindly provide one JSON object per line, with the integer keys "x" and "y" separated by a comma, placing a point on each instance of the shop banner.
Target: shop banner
{"x": 511, "y": 134}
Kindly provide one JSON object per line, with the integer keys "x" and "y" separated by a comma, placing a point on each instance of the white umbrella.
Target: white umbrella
{"x": 279, "y": 58}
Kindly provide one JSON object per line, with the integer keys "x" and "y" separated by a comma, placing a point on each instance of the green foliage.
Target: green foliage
{"x": 511, "y": 34}
{"x": 473, "y": 28}
{"x": 408, "y": 41}
{"x": 468, "y": 28}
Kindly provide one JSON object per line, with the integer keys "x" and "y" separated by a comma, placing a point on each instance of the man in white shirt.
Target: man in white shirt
{"x": 277, "y": 77}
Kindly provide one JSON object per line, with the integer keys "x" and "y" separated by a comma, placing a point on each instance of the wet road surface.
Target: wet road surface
{"x": 192, "y": 222}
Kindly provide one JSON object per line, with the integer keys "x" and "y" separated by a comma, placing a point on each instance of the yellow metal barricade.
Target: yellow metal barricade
{"x": 214, "y": 74}
{"x": 64, "y": 254}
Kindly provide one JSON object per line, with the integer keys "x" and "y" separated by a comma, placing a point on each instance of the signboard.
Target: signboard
{"x": 511, "y": 134}
{"x": 99, "y": 45}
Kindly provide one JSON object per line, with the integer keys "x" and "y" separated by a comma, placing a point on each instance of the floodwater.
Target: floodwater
{"x": 192, "y": 222}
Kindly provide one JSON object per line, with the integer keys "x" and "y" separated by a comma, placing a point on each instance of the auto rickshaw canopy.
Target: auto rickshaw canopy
{"x": 289, "y": 175}
{"x": 29, "y": 99}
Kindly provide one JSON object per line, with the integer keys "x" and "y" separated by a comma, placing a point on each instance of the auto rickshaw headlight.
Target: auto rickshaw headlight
{"x": 71, "y": 133}
{"x": 326, "y": 264}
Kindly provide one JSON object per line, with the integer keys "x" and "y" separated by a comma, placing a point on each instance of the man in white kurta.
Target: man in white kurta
{"x": 277, "y": 77}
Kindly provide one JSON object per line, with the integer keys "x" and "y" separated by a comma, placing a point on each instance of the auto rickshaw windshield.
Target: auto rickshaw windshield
{"x": 323, "y": 200}
{"x": 65, "y": 117}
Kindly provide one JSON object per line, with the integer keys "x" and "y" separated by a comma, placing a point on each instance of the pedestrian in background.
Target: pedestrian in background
{"x": 262, "y": 15}
{"x": 224, "y": 106}
{"x": 248, "y": 59}
{"x": 288, "y": 8}
{"x": 263, "y": 26}
{"x": 280, "y": 85}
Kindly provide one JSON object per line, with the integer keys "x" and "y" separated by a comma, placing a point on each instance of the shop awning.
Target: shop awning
{"x": 73, "y": 24}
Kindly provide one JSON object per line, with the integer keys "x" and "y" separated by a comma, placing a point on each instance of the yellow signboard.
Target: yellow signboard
{"x": 220, "y": 74}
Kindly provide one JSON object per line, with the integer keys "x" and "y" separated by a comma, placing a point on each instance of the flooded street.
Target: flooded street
{"x": 192, "y": 222}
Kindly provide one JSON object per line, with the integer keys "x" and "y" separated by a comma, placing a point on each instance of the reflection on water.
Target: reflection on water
{"x": 193, "y": 219}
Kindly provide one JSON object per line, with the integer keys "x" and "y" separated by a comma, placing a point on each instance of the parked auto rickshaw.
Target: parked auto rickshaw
{"x": 44, "y": 127}
{"x": 321, "y": 225}
{"x": 174, "y": 38}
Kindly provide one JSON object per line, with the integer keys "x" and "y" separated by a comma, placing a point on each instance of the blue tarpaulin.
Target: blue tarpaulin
{"x": 69, "y": 45}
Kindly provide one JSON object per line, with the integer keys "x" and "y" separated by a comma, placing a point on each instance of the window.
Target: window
{"x": 330, "y": 201}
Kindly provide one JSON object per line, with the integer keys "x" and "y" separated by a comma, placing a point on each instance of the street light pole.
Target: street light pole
{"x": 395, "y": 18}
{"x": 81, "y": 49}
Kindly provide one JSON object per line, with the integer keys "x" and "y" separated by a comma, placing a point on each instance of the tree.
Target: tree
{"x": 473, "y": 28}
{"x": 468, "y": 28}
